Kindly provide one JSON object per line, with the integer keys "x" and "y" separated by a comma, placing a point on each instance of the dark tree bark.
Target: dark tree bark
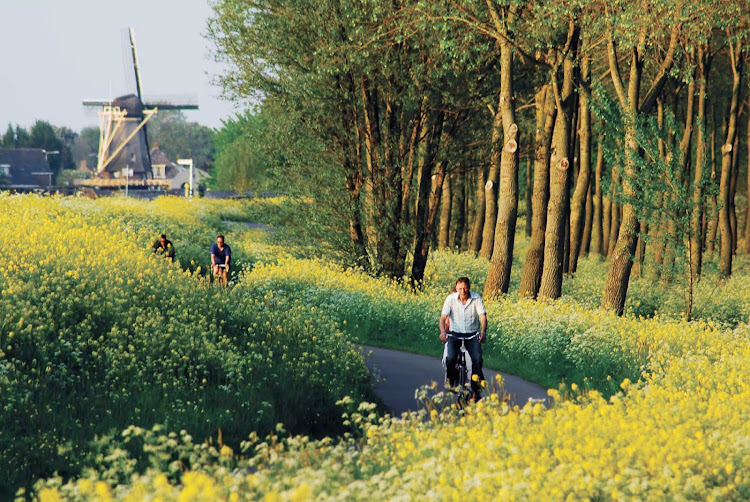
{"x": 458, "y": 207}
{"x": 427, "y": 204}
{"x": 445, "y": 214}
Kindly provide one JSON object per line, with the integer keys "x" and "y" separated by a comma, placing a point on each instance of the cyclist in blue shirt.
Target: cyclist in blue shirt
{"x": 220, "y": 255}
{"x": 464, "y": 317}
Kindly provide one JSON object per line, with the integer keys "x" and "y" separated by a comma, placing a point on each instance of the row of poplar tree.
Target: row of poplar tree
{"x": 619, "y": 119}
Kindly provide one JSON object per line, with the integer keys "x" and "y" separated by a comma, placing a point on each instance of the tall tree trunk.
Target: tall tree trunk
{"x": 554, "y": 239}
{"x": 468, "y": 209}
{"x": 614, "y": 218}
{"x": 580, "y": 195}
{"x": 498, "y": 276}
{"x": 458, "y": 206}
{"x": 658, "y": 232}
{"x": 381, "y": 232}
{"x": 426, "y": 208}
{"x": 712, "y": 217}
{"x": 674, "y": 240}
{"x": 351, "y": 158}
{"x": 727, "y": 241}
{"x": 572, "y": 177}
{"x": 546, "y": 111}
{"x": 491, "y": 187}
{"x": 733, "y": 189}
{"x": 445, "y": 213}
{"x": 597, "y": 230}
{"x": 586, "y": 244}
{"x": 697, "y": 235}
{"x": 527, "y": 192}
{"x": 475, "y": 239}
{"x": 408, "y": 199}
{"x": 618, "y": 278}
{"x": 606, "y": 224}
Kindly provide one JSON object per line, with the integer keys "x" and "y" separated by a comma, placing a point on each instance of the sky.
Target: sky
{"x": 55, "y": 53}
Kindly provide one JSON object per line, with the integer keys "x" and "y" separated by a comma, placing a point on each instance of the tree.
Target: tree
{"x": 43, "y": 135}
{"x": 23, "y": 139}
{"x": 179, "y": 138}
{"x": 86, "y": 146}
{"x": 632, "y": 106}
{"x": 385, "y": 101}
{"x": 67, "y": 138}
{"x": 728, "y": 154}
{"x": 244, "y": 155}
{"x": 554, "y": 239}
{"x": 9, "y": 138}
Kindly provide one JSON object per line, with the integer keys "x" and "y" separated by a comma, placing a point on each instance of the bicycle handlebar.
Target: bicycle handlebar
{"x": 449, "y": 334}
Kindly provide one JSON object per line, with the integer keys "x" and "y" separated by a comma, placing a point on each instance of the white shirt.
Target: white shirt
{"x": 464, "y": 317}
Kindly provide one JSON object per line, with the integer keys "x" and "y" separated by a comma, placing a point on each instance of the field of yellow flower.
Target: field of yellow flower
{"x": 681, "y": 433}
{"x": 652, "y": 408}
{"x": 97, "y": 333}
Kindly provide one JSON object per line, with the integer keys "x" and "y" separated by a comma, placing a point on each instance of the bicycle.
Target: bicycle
{"x": 463, "y": 367}
{"x": 221, "y": 277}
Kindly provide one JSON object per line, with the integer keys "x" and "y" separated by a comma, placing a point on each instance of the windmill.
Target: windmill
{"x": 123, "y": 139}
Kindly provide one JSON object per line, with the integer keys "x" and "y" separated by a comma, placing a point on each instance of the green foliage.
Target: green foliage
{"x": 9, "y": 138}
{"x": 179, "y": 138}
{"x": 242, "y": 160}
{"x": 86, "y": 146}
{"x": 43, "y": 135}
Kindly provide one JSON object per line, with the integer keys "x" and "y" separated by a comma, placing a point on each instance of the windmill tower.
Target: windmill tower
{"x": 123, "y": 139}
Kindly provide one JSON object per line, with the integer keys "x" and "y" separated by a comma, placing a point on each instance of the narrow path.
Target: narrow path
{"x": 401, "y": 373}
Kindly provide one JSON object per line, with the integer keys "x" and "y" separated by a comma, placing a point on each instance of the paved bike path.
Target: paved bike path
{"x": 401, "y": 373}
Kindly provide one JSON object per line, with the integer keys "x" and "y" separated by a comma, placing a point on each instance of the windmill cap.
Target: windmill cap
{"x": 131, "y": 104}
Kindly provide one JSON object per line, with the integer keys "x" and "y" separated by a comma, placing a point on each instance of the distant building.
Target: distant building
{"x": 178, "y": 176}
{"x": 24, "y": 170}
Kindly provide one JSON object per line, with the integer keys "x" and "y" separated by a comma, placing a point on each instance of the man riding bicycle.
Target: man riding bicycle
{"x": 463, "y": 318}
{"x": 163, "y": 247}
{"x": 220, "y": 255}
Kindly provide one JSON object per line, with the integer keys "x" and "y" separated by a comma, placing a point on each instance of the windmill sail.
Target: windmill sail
{"x": 132, "y": 68}
{"x": 130, "y": 63}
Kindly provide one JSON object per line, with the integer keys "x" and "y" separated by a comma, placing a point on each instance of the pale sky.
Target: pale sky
{"x": 55, "y": 53}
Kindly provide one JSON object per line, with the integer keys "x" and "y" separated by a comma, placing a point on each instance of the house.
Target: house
{"x": 24, "y": 170}
{"x": 177, "y": 175}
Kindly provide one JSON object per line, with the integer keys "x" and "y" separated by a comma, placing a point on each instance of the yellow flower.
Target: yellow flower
{"x": 50, "y": 495}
